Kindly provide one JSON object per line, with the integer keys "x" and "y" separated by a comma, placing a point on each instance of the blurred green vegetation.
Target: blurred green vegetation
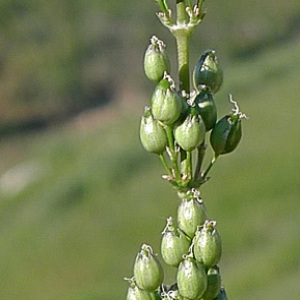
{"x": 77, "y": 201}
{"x": 59, "y": 58}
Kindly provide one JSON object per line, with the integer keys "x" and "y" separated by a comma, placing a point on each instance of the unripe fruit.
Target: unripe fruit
{"x": 207, "y": 245}
{"x": 206, "y": 107}
{"x": 152, "y": 134}
{"x": 207, "y": 72}
{"x": 156, "y": 60}
{"x": 213, "y": 284}
{"x": 190, "y": 134}
{"x": 135, "y": 293}
{"x": 166, "y": 103}
{"x": 147, "y": 270}
{"x": 174, "y": 244}
{"x": 191, "y": 279}
{"x": 226, "y": 134}
{"x": 191, "y": 213}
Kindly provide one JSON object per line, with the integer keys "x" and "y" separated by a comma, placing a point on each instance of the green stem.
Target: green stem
{"x": 163, "y": 161}
{"x": 201, "y": 152}
{"x": 182, "y": 42}
{"x": 173, "y": 153}
{"x": 188, "y": 170}
{"x": 204, "y": 175}
{"x": 181, "y": 33}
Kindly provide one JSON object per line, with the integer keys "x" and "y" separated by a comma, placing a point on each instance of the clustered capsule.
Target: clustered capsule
{"x": 175, "y": 123}
{"x": 174, "y": 126}
{"x": 193, "y": 247}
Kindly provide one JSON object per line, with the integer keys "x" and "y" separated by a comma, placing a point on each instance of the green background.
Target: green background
{"x": 80, "y": 196}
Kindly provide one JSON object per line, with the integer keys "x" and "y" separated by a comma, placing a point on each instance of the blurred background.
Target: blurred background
{"x": 79, "y": 195}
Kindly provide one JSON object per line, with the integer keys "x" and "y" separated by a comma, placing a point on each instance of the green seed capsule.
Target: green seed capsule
{"x": 190, "y": 134}
{"x": 207, "y": 72}
{"x": 174, "y": 244}
{"x": 226, "y": 134}
{"x": 213, "y": 284}
{"x": 135, "y": 293}
{"x": 156, "y": 60}
{"x": 152, "y": 134}
{"x": 148, "y": 272}
{"x": 191, "y": 279}
{"x": 206, "y": 107}
{"x": 166, "y": 103}
{"x": 207, "y": 245}
{"x": 191, "y": 213}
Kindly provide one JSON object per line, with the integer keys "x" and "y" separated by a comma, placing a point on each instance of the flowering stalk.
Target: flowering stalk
{"x": 174, "y": 127}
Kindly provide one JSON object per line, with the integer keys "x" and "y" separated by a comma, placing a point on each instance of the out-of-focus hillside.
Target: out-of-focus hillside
{"x": 61, "y": 57}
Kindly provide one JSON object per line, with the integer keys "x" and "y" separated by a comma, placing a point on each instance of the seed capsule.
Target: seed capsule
{"x": 191, "y": 213}
{"x": 207, "y": 72}
{"x": 213, "y": 284}
{"x": 207, "y": 245}
{"x": 191, "y": 279}
{"x": 152, "y": 134}
{"x": 174, "y": 244}
{"x": 148, "y": 272}
{"x": 206, "y": 107}
{"x": 156, "y": 60}
{"x": 226, "y": 134}
{"x": 166, "y": 102}
{"x": 135, "y": 293}
{"x": 190, "y": 134}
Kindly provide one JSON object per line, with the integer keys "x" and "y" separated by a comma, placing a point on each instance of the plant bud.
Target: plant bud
{"x": 207, "y": 72}
{"x": 166, "y": 103}
{"x": 206, "y": 107}
{"x": 135, "y": 293}
{"x": 190, "y": 134}
{"x": 226, "y": 134}
{"x": 152, "y": 134}
{"x": 191, "y": 213}
{"x": 213, "y": 284}
{"x": 207, "y": 245}
{"x": 148, "y": 272}
{"x": 191, "y": 279}
{"x": 174, "y": 244}
{"x": 156, "y": 60}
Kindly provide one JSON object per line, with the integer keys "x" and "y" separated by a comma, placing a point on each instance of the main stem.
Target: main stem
{"x": 182, "y": 42}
